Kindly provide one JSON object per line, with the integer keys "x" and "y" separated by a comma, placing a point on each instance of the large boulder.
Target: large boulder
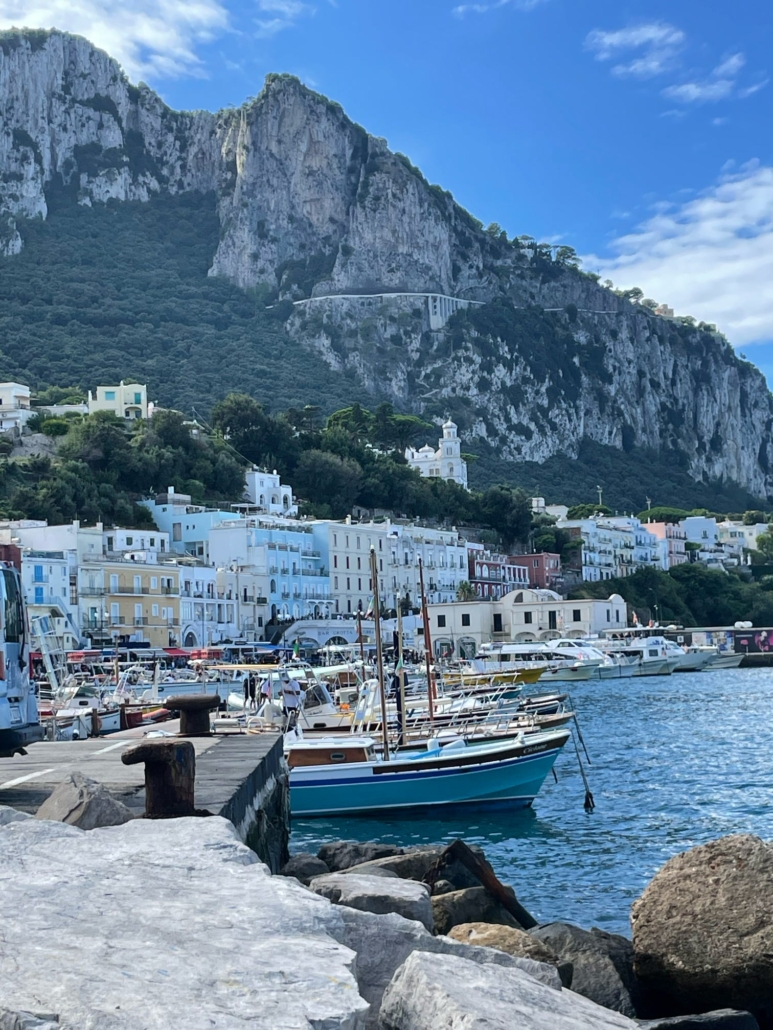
{"x": 408, "y": 865}
{"x": 82, "y": 802}
{"x": 720, "y": 1019}
{"x": 472, "y": 905}
{"x": 512, "y": 942}
{"x": 383, "y": 943}
{"x": 377, "y": 894}
{"x": 598, "y": 959}
{"x": 703, "y": 931}
{"x": 341, "y": 854}
{"x": 304, "y": 867}
{"x": 457, "y": 994}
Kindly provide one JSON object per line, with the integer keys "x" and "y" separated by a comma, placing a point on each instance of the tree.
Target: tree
{"x": 587, "y": 511}
{"x": 754, "y": 518}
{"x": 327, "y": 479}
{"x": 465, "y": 591}
{"x": 507, "y": 511}
{"x": 765, "y": 544}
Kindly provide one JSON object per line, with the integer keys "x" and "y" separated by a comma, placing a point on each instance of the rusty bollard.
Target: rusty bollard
{"x": 194, "y": 712}
{"x": 170, "y": 774}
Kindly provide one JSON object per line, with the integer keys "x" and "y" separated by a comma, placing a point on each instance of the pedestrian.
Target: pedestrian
{"x": 246, "y": 686}
{"x": 253, "y": 688}
{"x": 291, "y": 699}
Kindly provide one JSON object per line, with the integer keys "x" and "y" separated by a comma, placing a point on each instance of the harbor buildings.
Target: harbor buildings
{"x": 187, "y": 525}
{"x": 543, "y": 570}
{"x": 672, "y": 539}
{"x": 445, "y": 462}
{"x": 613, "y": 546}
{"x": 267, "y": 494}
{"x": 493, "y": 575}
{"x": 460, "y": 628}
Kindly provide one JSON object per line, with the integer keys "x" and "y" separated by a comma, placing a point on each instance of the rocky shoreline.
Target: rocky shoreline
{"x": 700, "y": 957}
{"x": 118, "y": 923}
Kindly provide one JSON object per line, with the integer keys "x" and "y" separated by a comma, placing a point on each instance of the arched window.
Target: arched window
{"x": 273, "y": 586}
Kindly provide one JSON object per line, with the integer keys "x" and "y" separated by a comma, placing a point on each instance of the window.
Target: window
{"x": 358, "y": 547}
{"x": 359, "y": 584}
{"x": 109, "y": 395}
{"x": 535, "y": 563}
{"x": 335, "y": 540}
{"x": 617, "y": 616}
{"x": 138, "y": 398}
{"x": 154, "y": 610}
{"x": 129, "y": 541}
{"x": 359, "y": 563}
{"x": 528, "y": 617}
{"x": 177, "y": 531}
{"x": 110, "y": 543}
{"x": 608, "y": 618}
{"x": 465, "y": 619}
{"x": 347, "y": 561}
{"x": 335, "y": 582}
{"x": 381, "y": 565}
{"x": 335, "y": 561}
{"x": 497, "y": 623}
{"x": 154, "y": 582}
{"x": 348, "y": 586}
{"x": 152, "y": 541}
{"x": 441, "y": 621}
{"x": 552, "y": 620}
{"x": 113, "y": 584}
{"x": 576, "y": 615}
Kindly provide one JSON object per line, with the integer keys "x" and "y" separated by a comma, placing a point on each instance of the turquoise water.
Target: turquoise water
{"x": 676, "y": 761}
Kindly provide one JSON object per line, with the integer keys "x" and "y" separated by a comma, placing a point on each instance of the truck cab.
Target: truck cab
{"x": 19, "y": 719}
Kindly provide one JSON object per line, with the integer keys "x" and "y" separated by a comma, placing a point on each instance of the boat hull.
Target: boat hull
{"x": 508, "y": 778}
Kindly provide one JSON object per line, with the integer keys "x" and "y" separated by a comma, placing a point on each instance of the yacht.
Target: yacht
{"x": 558, "y": 665}
{"x": 652, "y": 656}
{"x": 610, "y": 667}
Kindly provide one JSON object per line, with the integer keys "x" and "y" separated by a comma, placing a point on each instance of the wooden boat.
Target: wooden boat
{"x": 347, "y": 777}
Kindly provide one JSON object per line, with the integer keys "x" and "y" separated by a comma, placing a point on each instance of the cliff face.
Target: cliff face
{"x": 312, "y": 208}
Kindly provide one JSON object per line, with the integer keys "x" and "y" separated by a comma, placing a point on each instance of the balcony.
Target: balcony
{"x": 173, "y": 622}
{"x": 117, "y": 620}
{"x": 139, "y": 620}
{"x": 92, "y": 591}
{"x": 169, "y": 590}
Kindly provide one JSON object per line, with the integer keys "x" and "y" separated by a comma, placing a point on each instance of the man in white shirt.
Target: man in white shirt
{"x": 291, "y": 699}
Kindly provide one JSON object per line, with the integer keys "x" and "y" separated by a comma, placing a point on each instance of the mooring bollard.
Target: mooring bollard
{"x": 194, "y": 712}
{"x": 170, "y": 774}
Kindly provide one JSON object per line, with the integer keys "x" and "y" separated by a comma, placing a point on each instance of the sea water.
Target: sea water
{"x": 675, "y": 761}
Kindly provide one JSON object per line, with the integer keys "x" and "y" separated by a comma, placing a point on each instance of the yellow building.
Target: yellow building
{"x": 126, "y": 602}
{"x": 127, "y": 400}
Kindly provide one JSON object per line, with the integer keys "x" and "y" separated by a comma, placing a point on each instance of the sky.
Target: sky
{"x": 638, "y": 132}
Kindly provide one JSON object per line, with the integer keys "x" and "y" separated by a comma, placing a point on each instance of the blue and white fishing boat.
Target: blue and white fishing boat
{"x": 348, "y": 777}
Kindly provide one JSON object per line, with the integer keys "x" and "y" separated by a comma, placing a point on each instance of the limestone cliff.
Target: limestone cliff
{"x": 388, "y": 275}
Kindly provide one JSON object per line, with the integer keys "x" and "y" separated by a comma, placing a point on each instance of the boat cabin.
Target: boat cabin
{"x": 330, "y": 752}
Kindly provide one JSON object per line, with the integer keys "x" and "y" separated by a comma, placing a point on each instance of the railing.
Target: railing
{"x": 169, "y": 590}
{"x": 92, "y": 591}
{"x": 140, "y": 620}
{"x": 116, "y": 620}
{"x": 173, "y": 622}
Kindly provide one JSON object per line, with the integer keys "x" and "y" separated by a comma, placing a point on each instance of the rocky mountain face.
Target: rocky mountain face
{"x": 381, "y": 272}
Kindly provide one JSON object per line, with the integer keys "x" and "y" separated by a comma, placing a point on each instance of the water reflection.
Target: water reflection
{"x": 676, "y": 761}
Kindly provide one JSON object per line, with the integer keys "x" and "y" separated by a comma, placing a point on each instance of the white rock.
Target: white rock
{"x": 383, "y": 943}
{"x": 456, "y": 994}
{"x": 12, "y": 815}
{"x": 377, "y": 894}
{"x": 82, "y": 802}
{"x": 165, "y": 925}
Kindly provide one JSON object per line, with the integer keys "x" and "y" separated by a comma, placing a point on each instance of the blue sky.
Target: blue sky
{"x": 637, "y": 132}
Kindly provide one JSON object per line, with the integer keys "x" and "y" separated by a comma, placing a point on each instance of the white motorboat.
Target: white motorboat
{"x": 650, "y": 655}
{"x": 725, "y": 661}
{"x": 558, "y": 666}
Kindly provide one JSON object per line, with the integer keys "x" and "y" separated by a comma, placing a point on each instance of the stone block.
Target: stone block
{"x": 472, "y": 905}
{"x": 304, "y": 867}
{"x": 594, "y": 972}
{"x": 376, "y": 894}
{"x": 512, "y": 942}
{"x": 719, "y": 1019}
{"x": 340, "y": 854}
{"x": 82, "y": 802}
{"x": 457, "y": 994}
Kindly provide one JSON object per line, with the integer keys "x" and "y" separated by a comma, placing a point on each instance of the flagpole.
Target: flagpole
{"x": 427, "y": 644}
{"x": 379, "y": 651}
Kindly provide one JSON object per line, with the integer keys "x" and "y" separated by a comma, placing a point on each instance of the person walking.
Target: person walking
{"x": 253, "y": 689}
{"x": 291, "y": 699}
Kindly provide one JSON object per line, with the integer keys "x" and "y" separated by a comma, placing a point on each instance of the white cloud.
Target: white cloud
{"x": 151, "y": 38}
{"x": 730, "y": 66}
{"x": 282, "y": 14}
{"x": 720, "y": 84}
{"x": 655, "y": 44}
{"x": 521, "y": 5}
{"x": 711, "y": 257}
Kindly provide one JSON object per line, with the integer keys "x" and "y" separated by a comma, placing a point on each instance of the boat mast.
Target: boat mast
{"x": 359, "y": 638}
{"x": 399, "y": 669}
{"x": 379, "y": 651}
{"x": 427, "y": 645}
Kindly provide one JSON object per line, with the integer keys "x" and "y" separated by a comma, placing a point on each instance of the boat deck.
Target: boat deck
{"x": 225, "y": 766}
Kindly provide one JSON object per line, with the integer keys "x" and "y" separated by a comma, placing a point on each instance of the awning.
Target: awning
{"x": 175, "y": 652}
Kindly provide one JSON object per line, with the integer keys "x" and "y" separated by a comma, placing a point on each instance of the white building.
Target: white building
{"x": 614, "y": 546}
{"x": 735, "y": 537}
{"x": 124, "y": 541}
{"x": 265, "y": 492}
{"x": 14, "y": 406}
{"x": 49, "y": 582}
{"x": 220, "y": 605}
{"x": 398, "y": 549}
{"x": 444, "y": 463}
{"x": 460, "y": 628}
{"x": 703, "y": 530}
{"x": 127, "y": 400}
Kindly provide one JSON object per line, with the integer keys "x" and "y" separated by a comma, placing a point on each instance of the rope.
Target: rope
{"x": 589, "y": 804}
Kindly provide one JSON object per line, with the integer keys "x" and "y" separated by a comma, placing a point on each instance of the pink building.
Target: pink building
{"x": 673, "y": 537}
{"x": 543, "y": 570}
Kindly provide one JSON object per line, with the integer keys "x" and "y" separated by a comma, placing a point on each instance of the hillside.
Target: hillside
{"x": 113, "y": 208}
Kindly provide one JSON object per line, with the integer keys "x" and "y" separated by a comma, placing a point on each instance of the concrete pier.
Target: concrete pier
{"x": 241, "y": 777}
